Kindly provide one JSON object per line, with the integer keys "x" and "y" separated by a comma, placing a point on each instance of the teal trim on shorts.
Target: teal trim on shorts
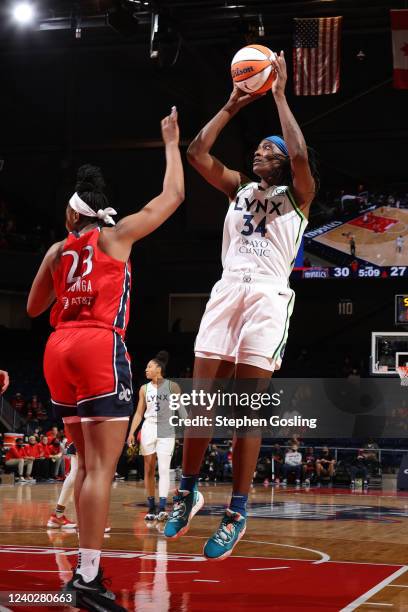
{"x": 286, "y": 327}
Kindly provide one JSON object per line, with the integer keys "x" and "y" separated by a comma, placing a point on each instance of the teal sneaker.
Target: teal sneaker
{"x": 185, "y": 506}
{"x": 227, "y": 536}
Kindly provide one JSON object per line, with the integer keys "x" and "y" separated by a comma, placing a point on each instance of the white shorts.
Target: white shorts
{"x": 247, "y": 317}
{"x": 150, "y": 443}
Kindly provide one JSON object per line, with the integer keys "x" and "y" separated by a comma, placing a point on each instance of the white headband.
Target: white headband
{"x": 83, "y": 209}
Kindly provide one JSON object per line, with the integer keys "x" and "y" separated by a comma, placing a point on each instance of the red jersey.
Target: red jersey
{"x": 32, "y": 451}
{"x": 15, "y": 452}
{"x": 43, "y": 450}
{"x": 91, "y": 288}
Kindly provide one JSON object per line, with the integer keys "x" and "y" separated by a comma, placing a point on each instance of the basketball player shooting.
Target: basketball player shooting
{"x": 245, "y": 325}
{"x": 86, "y": 364}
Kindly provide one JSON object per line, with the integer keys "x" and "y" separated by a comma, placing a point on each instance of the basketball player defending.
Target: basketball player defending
{"x": 245, "y": 325}
{"x": 86, "y": 363}
{"x": 153, "y": 405}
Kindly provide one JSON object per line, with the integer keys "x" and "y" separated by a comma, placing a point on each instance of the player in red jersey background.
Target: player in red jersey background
{"x": 86, "y": 364}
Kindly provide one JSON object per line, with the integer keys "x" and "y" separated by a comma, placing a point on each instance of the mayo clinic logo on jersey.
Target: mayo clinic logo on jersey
{"x": 255, "y": 247}
{"x": 125, "y": 394}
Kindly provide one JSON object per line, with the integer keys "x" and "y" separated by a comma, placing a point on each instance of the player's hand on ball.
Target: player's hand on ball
{"x": 238, "y": 99}
{"x": 170, "y": 129}
{"x": 279, "y": 83}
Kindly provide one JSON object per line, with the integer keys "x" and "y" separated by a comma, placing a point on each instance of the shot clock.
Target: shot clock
{"x": 401, "y": 310}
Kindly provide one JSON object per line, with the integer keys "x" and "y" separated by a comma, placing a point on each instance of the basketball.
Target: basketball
{"x": 251, "y": 69}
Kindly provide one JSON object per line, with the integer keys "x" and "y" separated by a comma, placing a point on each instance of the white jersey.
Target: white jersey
{"x": 262, "y": 231}
{"x": 157, "y": 401}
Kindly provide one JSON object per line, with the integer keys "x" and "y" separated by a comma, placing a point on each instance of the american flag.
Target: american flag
{"x": 316, "y": 56}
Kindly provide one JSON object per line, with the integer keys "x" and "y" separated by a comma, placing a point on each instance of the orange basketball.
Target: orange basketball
{"x": 251, "y": 69}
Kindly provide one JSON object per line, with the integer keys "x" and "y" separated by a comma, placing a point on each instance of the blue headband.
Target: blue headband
{"x": 280, "y": 143}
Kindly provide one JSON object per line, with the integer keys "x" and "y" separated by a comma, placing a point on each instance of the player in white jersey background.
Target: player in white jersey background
{"x": 244, "y": 328}
{"x": 153, "y": 406}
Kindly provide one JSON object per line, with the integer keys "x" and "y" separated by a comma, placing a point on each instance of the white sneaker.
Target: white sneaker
{"x": 162, "y": 516}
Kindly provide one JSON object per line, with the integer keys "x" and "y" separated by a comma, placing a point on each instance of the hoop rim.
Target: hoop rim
{"x": 402, "y": 371}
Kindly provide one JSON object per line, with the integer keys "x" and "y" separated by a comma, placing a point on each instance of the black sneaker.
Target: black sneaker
{"x": 93, "y": 595}
{"x": 151, "y": 514}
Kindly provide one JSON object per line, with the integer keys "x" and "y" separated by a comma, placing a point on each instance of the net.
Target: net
{"x": 403, "y": 373}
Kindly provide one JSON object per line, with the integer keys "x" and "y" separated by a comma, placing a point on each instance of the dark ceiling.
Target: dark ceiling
{"x": 197, "y": 21}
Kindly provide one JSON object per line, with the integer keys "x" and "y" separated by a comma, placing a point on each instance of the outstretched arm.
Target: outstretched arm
{"x": 157, "y": 211}
{"x": 215, "y": 172}
{"x": 303, "y": 182}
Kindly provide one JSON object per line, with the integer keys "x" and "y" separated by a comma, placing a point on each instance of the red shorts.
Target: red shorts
{"x": 88, "y": 373}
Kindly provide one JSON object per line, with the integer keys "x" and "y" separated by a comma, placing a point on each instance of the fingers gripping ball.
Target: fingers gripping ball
{"x": 251, "y": 69}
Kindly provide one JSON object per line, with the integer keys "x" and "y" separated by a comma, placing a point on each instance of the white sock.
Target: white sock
{"x": 88, "y": 563}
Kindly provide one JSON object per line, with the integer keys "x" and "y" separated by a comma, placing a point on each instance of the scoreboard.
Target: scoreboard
{"x": 359, "y": 271}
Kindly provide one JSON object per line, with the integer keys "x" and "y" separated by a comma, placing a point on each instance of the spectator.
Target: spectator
{"x": 295, "y": 439}
{"x": 309, "y": 466}
{"x": 227, "y": 462}
{"x": 32, "y": 453}
{"x": 359, "y": 467}
{"x": 35, "y": 409}
{"x": 325, "y": 464}
{"x": 18, "y": 403}
{"x": 16, "y": 457}
{"x": 43, "y": 459}
{"x": 57, "y": 458}
{"x": 263, "y": 470}
{"x": 293, "y": 464}
{"x": 277, "y": 456}
{"x": 371, "y": 450}
{"x": 52, "y": 434}
{"x": 212, "y": 464}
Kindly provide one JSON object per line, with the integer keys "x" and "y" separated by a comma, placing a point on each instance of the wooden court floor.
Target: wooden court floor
{"x": 317, "y": 549}
{"x": 377, "y": 248}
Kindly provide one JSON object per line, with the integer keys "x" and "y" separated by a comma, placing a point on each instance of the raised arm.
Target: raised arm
{"x": 215, "y": 172}
{"x": 138, "y": 416}
{"x": 119, "y": 240}
{"x": 303, "y": 182}
{"x": 42, "y": 294}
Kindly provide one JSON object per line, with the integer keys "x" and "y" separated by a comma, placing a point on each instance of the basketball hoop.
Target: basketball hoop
{"x": 403, "y": 373}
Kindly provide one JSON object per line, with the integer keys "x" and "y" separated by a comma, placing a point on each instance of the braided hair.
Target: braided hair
{"x": 285, "y": 177}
